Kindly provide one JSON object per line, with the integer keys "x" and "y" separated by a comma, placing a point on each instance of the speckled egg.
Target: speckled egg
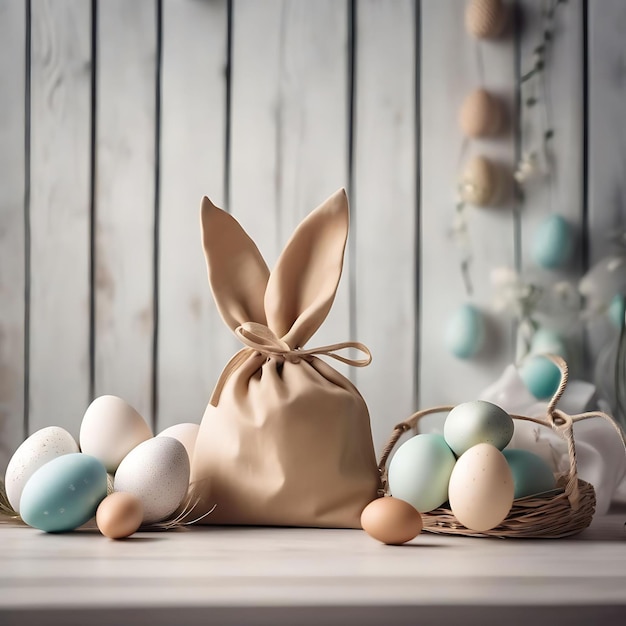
{"x": 480, "y": 114}
{"x": 531, "y": 474}
{"x": 40, "y": 448}
{"x": 465, "y": 332}
{"x": 479, "y": 182}
{"x": 420, "y": 470}
{"x": 541, "y": 376}
{"x": 553, "y": 243}
{"x": 64, "y": 493}
{"x": 391, "y": 521}
{"x": 110, "y": 429}
{"x": 485, "y": 19}
{"x": 478, "y": 421}
{"x": 186, "y": 433}
{"x": 157, "y": 472}
{"x": 481, "y": 488}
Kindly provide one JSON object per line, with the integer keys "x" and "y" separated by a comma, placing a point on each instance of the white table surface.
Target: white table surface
{"x": 305, "y": 576}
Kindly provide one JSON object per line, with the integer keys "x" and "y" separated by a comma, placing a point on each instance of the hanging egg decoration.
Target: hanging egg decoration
{"x": 552, "y": 243}
{"x": 480, "y": 115}
{"x": 617, "y": 311}
{"x": 485, "y": 19}
{"x": 465, "y": 332}
{"x": 479, "y": 183}
{"x": 547, "y": 341}
{"x": 541, "y": 376}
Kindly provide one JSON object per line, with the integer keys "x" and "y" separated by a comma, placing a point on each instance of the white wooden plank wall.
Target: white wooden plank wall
{"x": 450, "y": 68}
{"x": 268, "y": 107}
{"x": 12, "y": 227}
{"x": 606, "y": 199}
{"x": 60, "y": 213}
{"x": 384, "y": 203}
{"x": 125, "y": 200}
{"x": 193, "y": 342}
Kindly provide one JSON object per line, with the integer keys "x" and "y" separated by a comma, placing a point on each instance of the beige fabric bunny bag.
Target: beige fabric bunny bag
{"x": 285, "y": 439}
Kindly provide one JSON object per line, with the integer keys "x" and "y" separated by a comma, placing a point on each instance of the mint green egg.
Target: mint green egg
{"x": 531, "y": 474}
{"x": 419, "y": 472}
{"x": 552, "y": 243}
{"x": 541, "y": 376}
{"x": 465, "y": 332}
{"x": 474, "y": 422}
{"x": 617, "y": 310}
{"x": 547, "y": 341}
{"x": 64, "y": 493}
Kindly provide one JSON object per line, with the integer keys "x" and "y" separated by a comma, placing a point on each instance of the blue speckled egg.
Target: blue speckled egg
{"x": 617, "y": 310}
{"x": 419, "y": 472}
{"x": 478, "y": 421}
{"x": 552, "y": 243}
{"x": 541, "y": 376}
{"x": 465, "y": 332}
{"x": 531, "y": 474}
{"x": 64, "y": 493}
{"x": 547, "y": 341}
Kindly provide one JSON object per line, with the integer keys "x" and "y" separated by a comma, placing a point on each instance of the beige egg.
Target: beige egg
{"x": 119, "y": 515}
{"x": 480, "y": 115}
{"x": 481, "y": 488}
{"x": 479, "y": 183}
{"x": 391, "y": 521}
{"x": 485, "y": 19}
{"x": 186, "y": 433}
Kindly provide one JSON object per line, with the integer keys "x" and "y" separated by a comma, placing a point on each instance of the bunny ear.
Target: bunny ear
{"x": 302, "y": 286}
{"x": 237, "y": 272}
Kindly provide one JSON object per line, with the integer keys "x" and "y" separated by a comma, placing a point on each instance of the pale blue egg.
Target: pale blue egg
{"x": 552, "y": 243}
{"x": 547, "y": 341}
{"x": 419, "y": 472}
{"x": 541, "y": 376}
{"x": 64, "y": 493}
{"x": 531, "y": 474}
{"x": 478, "y": 421}
{"x": 617, "y": 310}
{"x": 465, "y": 332}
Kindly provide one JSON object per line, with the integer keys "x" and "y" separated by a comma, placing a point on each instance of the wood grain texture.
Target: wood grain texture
{"x": 311, "y": 576}
{"x": 289, "y": 114}
{"x": 384, "y": 206}
{"x": 449, "y": 70}
{"x": 193, "y": 342}
{"x": 60, "y": 213}
{"x": 12, "y": 230}
{"x": 559, "y": 187}
{"x": 606, "y": 145}
{"x": 125, "y": 190}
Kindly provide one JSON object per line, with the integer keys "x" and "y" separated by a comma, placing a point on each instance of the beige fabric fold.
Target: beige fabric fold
{"x": 285, "y": 440}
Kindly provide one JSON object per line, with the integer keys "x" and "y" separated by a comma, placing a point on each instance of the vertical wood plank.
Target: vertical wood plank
{"x": 12, "y": 231}
{"x": 60, "y": 213}
{"x": 290, "y": 124}
{"x": 125, "y": 202}
{"x": 607, "y": 142}
{"x": 193, "y": 342}
{"x": 449, "y": 70}
{"x": 384, "y": 201}
{"x": 559, "y": 91}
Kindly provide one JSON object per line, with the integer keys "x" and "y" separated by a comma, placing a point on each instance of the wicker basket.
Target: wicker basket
{"x": 564, "y": 511}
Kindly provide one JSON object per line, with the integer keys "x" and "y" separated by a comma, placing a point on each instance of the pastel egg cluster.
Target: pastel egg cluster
{"x": 468, "y": 467}
{"x": 56, "y": 485}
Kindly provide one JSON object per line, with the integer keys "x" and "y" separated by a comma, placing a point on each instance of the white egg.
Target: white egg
{"x": 157, "y": 472}
{"x": 42, "y": 446}
{"x": 186, "y": 433}
{"x": 110, "y": 429}
{"x": 479, "y": 182}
